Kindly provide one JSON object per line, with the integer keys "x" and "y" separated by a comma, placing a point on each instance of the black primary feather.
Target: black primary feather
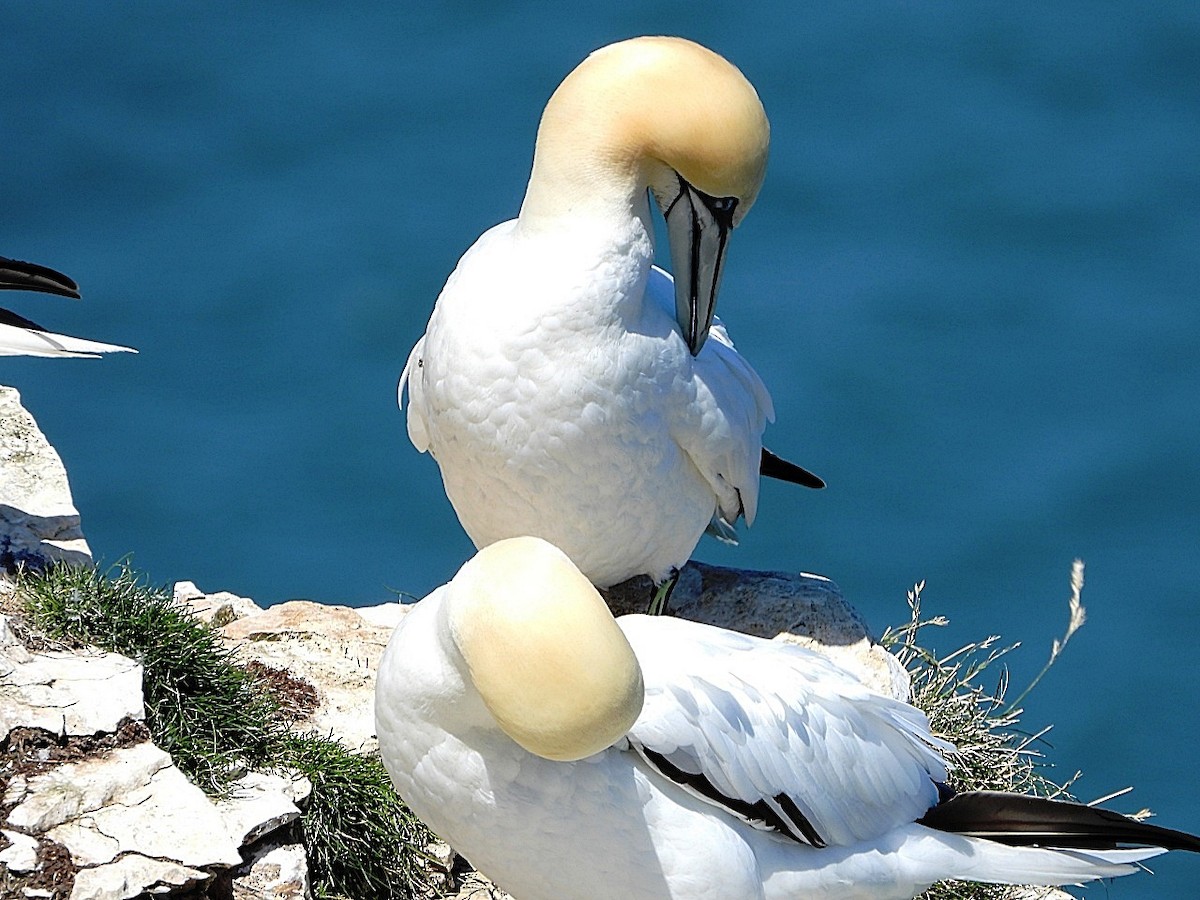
{"x": 16, "y": 275}
{"x": 1020, "y": 820}
{"x": 791, "y": 823}
{"x": 8, "y": 317}
{"x": 777, "y": 467}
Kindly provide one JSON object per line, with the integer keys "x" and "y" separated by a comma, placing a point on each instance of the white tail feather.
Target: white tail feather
{"x": 907, "y": 861}
{"x": 1002, "y": 864}
{"x": 17, "y": 341}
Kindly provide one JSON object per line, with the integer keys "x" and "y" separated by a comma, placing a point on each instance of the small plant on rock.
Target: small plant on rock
{"x": 218, "y": 719}
{"x": 991, "y": 753}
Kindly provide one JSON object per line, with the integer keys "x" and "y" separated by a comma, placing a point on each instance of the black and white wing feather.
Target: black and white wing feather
{"x": 780, "y": 736}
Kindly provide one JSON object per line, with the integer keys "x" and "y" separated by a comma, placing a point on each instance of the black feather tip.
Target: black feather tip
{"x": 1024, "y": 821}
{"x": 773, "y": 466}
{"x": 16, "y": 275}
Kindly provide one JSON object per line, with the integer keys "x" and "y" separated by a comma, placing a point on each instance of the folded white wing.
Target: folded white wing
{"x": 721, "y": 429}
{"x": 778, "y": 735}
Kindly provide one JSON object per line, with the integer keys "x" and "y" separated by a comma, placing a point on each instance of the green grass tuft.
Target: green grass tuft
{"x": 217, "y": 720}
{"x": 362, "y": 841}
{"x": 201, "y": 707}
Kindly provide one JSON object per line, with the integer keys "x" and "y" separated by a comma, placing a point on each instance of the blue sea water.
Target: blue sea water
{"x": 971, "y": 281}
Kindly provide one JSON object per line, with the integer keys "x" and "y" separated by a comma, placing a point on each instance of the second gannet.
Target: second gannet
{"x": 22, "y": 337}
{"x": 567, "y": 387}
{"x": 566, "y": 754}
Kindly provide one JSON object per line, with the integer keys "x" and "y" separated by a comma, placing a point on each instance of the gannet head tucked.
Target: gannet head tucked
{"x": 548, "y": 659}
{"x": 726, "y": 766}
{"x": 663, "y": 114}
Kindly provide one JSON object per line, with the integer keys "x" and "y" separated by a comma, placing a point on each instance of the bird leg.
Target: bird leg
{"x": 659, "y": 603}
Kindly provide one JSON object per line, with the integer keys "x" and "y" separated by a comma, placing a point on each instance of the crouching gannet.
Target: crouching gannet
{"x": 566, "y": 754}
{"x": 20, "y": 336}
{"x": 567, "y": 387}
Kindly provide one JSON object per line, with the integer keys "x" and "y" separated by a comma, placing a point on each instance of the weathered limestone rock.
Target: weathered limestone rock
{"x": 130, "y": 820}
{"x": 477, "y": 887}
{"x": 384, "y": 615}
{"x": 133, "y": 875}
{"x": 220, "y": 608}
{"x": 275, "y": 872}
{"x": 800, "y": 608}
{"x": 38, "y": 520}
{"x": 71, "y": 693}
{"x": 133, "y": 824}
{"x": 261, "y": 802}
{"x": 129, "y": 800}
{"x": 21, "y": 855}
{"x": 332, "y": 647}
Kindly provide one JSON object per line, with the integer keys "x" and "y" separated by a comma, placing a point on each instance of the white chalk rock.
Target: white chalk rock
{"x": 275, "y": 872}
{"x": 384, "y": 615}
{"x": 16, "y": 791}
{"x": 84, "y": 692}
{"x": 131, "y": 800}
{"x": 259, "y": 802}
{"x": 333, "y": 648}
{"x": 476, "y": 886}
{"x": 219, "y": 609}
{"x": 7, "y": 638}
{"x": 21, "y": 854}
{"x": 38, "y": 520}
{"x": 800, "y": 608}
{"x": 132, "y": 876}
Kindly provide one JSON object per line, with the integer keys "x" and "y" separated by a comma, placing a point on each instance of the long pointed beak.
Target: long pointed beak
{"x": 698, "y": 228}
{"x": 16, "y": 275}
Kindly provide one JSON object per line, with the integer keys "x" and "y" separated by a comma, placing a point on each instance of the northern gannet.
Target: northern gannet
{"x": 566, "y": 386}
{"x": 20, "y": 336}
{"x": 568, "y": 754}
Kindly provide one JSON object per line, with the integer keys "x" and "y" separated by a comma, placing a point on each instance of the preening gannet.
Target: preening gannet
{"x": 20, "y": 336}
{"x": 568, "y": 755}
{"x": 567, "y": 387}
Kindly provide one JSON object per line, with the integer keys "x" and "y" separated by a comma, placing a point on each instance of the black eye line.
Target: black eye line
{"x": 722, "y": 208}
{"x": 683, "y": 187}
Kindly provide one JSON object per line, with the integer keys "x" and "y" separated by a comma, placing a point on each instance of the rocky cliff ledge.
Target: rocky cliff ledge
{"x": 92, "y": 809}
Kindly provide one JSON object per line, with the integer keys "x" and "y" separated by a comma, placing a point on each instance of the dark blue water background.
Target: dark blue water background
{"x": 971, "y": 282}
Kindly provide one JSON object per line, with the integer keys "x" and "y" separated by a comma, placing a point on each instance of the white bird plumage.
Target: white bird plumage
{"x": 568, "y": 388}
{"x": 22, "y": 337}
{"x": 679, "y": 772}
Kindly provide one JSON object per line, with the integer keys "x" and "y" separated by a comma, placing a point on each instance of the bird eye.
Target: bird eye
{"x": 722, "y": 209}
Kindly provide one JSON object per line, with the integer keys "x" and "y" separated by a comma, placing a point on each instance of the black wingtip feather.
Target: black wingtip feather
{"x": 1021, "y": 820}
{"x": 8, "y": 317}
{"x": 774, "y": 466}
{"x": 17, "y": 275}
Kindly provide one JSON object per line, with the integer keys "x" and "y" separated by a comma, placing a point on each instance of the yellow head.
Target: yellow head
{"x": 543, "y": 650}
{"x": 636, "y": 109}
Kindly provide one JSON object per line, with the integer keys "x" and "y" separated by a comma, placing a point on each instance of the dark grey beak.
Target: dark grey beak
{"x": 16, "y": 275}
{"x": 698, "y": 227}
